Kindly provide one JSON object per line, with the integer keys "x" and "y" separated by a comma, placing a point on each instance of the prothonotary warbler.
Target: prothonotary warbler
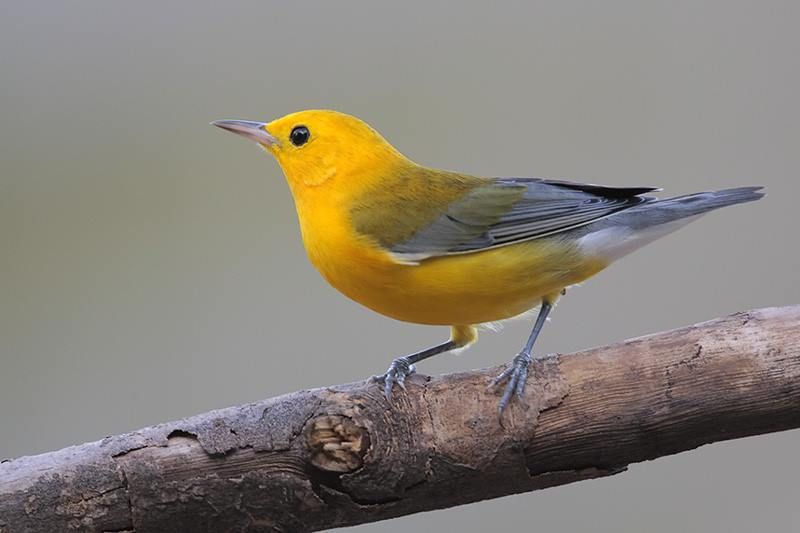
{"x": 438, "y": 247}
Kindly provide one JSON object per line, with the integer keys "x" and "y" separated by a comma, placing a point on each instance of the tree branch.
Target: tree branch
{"x": 339, "y": 456}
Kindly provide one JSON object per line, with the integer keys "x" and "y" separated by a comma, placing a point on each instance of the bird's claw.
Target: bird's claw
{"x": 517, "y": 376}
{"x": 397, "y": 373}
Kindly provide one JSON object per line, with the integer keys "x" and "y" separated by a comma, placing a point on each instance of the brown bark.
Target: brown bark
{"x": 341, "y": 455}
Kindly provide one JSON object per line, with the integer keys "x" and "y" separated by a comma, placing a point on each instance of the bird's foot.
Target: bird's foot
{"x": 517, "y": 376}
{"x": 397, "y": 373}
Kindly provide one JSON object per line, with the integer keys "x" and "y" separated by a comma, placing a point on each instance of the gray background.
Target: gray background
{"x": 151, "y": 266}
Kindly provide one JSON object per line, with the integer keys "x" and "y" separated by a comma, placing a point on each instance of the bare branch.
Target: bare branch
{"x": 339, "y": 456}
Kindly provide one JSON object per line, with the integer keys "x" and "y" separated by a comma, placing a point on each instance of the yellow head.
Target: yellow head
{"x": 320, "y": 147}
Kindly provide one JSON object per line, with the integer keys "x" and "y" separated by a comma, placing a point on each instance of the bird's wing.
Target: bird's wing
{"x": 508, "y": 210}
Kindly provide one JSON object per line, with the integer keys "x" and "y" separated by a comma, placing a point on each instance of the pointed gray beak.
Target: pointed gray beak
{"x": 255, "y": 131}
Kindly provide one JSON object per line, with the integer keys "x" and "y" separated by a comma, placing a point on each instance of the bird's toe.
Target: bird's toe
{"x": 516, "y": 376}
{"x": 396, "y": 374}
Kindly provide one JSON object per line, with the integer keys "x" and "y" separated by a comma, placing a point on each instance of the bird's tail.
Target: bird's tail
{"x": 626, "y": 231}
{"x": 690, "y": 205}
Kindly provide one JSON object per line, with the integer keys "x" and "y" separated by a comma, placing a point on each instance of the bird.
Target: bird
{"x": 445, "y": 248}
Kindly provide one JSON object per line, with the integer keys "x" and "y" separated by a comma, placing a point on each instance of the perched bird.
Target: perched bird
{"x": 436, "y": 247}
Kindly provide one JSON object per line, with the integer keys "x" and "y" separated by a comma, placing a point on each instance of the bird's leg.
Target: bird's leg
{"x": 402, "y": 367}
{"x": 517, "y": 373}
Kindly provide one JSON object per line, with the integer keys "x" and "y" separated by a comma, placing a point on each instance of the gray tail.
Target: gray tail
{"x": 662, "y": 211}
{"x": 700, "y": 202}
{"x": 628, "y": 230}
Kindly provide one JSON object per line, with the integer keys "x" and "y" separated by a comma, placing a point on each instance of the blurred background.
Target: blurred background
{"x": 151, "y": 265}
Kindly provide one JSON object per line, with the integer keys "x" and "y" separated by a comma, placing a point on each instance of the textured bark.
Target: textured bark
{"x": 341, "y": 455}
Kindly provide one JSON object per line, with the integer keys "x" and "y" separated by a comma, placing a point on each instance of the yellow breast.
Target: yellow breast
{"x": 463, "y": 289}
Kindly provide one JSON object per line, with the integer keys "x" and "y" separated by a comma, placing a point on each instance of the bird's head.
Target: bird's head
{"x": 320, "y": 148}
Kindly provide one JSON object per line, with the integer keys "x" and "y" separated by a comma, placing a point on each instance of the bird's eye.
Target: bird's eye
{"x": 299, "y": 135}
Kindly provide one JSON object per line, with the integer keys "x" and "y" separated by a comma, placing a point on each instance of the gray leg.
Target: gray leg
{"x": 402, "y": 367}
{"x": 517, "y": 373}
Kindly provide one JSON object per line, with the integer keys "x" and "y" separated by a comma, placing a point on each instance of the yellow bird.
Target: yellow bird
{"x": 436, "y": 247}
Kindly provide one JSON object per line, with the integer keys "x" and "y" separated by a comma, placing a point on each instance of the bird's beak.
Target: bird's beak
{"x": 255, "y": 131}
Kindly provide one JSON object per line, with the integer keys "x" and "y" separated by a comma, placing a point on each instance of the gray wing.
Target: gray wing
{"x": 509, "y": 210}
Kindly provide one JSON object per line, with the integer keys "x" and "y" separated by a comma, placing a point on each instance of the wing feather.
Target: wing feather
{"x": 508, "y": 210}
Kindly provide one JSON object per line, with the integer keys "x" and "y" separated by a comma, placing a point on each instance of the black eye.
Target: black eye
{"x": 299, "y": 135}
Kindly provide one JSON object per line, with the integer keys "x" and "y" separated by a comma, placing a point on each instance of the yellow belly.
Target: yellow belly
{"x": 463, "y": 289}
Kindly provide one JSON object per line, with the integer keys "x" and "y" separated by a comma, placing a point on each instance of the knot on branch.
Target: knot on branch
{"x": 336, "y": 443}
